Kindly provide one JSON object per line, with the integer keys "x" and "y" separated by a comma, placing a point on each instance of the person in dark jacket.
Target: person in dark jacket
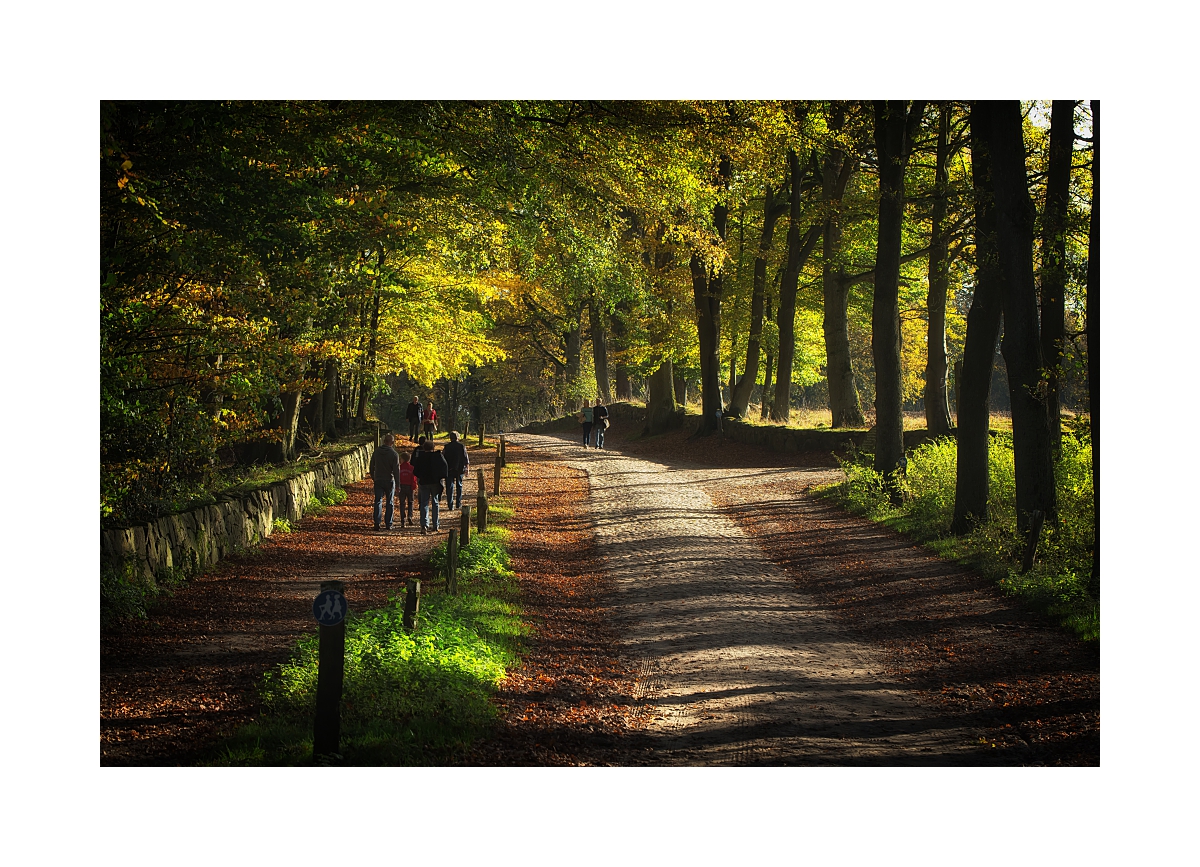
{"x": 385, "y": 473}
{"x": 430, "y": 468}
{"x": 413, "y": 414}
{"x": 457, "y": 462}
{"x": 599, "y": 422}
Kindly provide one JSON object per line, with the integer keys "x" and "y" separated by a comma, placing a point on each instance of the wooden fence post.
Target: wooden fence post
{"x": 412, "y": 603}
{"x": 496, "y": 475}
{"x": 452, "y": 563}
{"x": 464, "y": 528}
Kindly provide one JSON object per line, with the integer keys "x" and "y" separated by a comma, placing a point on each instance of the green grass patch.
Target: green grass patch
{"x": 1057, "y": 584}
{"x": 414, "y": 698}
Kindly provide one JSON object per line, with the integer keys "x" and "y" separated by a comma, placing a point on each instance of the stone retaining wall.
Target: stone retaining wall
{"x": 195, "y": 540}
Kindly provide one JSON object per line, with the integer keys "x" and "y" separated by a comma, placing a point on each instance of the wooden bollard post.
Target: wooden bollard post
{"x": 496, "y": 475}
{"x": 481, "y": 504}
{"x": 503, "y": 452}
{"x": 412, "y": 604}
{"x": 464, "y": 526}
{"x": 331, "y": 660}
{"x": 452, "y": 563}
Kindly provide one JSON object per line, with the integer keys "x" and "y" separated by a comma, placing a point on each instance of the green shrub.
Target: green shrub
{"x": 1057, "y": 584}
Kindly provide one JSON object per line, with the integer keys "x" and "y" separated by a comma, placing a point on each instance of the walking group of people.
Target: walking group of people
{"x": 594, "y": 418}
{"x": 432, "y": 473}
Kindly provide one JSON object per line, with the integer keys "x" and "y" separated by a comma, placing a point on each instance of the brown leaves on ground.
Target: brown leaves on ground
{"x": 573, "y": 696}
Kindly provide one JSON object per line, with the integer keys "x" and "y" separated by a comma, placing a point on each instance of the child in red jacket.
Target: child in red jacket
{"x": 405, "y": 492}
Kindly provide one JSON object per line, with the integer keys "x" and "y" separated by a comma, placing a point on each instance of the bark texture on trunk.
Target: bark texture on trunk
{"x": 707, "y": 291}
{"x": 681, "y": 391}
{"x": 765, "y": 409}
{"x": 1093, "y": 340}
{"x": 600, "y": 353}
{"x": 895, "y": 128}
{"x": 1021, "y": 346}
{"x": 974, "y": 379}
{"x": 844, "y": 405}
{"x": 937, "y": 405}
{"x": 1054, "y": 255}
{"x": 799, "y": 248}
{"x": 660, "y": 406}
{"x": 774, "y": 206}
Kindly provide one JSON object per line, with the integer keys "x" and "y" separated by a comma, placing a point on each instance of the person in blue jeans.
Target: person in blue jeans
{"x": 430, "y": 469}
{"x": 385, "y": 473}
{"x": 599, "y": 417}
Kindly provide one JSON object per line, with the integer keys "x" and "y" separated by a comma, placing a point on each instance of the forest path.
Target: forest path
{"x": 741, "y": 666}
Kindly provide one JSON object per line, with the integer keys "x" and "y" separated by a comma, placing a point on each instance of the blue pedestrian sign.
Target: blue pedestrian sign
{"x": 329, "y": 608}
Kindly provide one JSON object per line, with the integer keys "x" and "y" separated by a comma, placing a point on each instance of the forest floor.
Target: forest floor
{"x": 691, "y": 605}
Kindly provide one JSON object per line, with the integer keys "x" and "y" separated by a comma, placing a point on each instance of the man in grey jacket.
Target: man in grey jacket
{"x": 385, "y": 473}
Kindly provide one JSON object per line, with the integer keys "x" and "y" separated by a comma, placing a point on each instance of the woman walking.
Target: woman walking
{"x": 585, "y": 416}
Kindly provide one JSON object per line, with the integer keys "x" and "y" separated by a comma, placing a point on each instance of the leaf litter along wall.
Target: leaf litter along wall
{"x": 193, "y": 541}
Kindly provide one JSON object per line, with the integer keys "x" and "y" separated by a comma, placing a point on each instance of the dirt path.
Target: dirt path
{"x": 742, "y": 668}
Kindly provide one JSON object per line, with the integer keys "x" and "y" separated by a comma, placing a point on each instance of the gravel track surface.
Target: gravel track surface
{"x": 741, "y": 666}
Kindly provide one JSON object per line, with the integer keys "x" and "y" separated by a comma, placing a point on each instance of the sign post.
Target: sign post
{"x": 329, "y": 608}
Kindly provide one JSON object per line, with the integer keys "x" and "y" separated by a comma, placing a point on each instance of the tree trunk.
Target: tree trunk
{"x": 895, "y": 128}
{"x": 680, "y": 390}
{"x": 600, "y": 353}
{"x": 289, "y": 422}
{"x": 937, "y": 408}
{"x": 624, "y": 386}
{"x": 973, "y": 381}
{"x": 660, "y": 405}
{"x": 707, "y": 290}
{"x": 1021, "y": 345}
{"x": 844, "y": 406}
{"x": 765, "y": 409}
{"x": 1054, "y": 256}
{"x": 329, "y": 399}
{"x": 773, "y": 209}
{"x": 798, "y": 250}
{"x": 1093, "y": 341}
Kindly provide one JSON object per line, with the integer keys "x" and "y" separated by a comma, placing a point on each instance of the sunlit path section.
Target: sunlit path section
{"x": 741, "y": 666}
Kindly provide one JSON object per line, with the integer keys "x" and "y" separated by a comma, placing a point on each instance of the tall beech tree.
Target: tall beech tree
{"x": 800, "y": 245}
{"x": 896, "y": 126}
{"x": 937, "y": 407}
{"x": 974, "y": 381}
{"x": 707, "y": 288}
{"x": 836, "y": 169}
{"x": 1054, "y": 255}
{"x": 775, "y": 205}
{"x": 1093, "y": 339}
{"x": 1021, "y": 344}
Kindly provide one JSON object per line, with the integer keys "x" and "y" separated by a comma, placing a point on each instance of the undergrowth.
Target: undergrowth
{"x": 409, "y": 698}
{"x": 1057, "y": 584}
